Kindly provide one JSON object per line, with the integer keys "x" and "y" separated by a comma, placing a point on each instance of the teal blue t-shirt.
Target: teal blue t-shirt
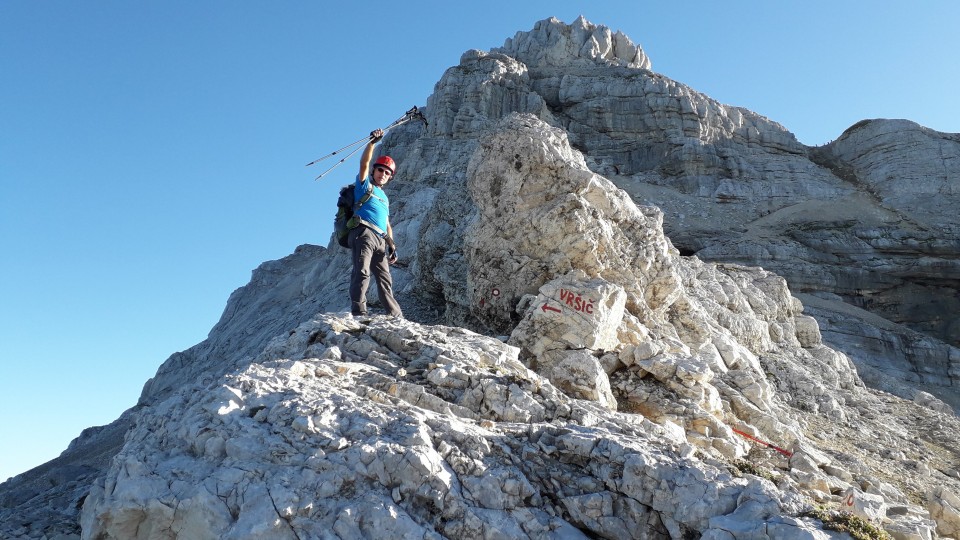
{"x": 377, "y": 209}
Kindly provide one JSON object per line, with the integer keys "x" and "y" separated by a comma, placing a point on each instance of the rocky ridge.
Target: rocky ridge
{"x": 610, "y": 411}
{"x": 652, "y": 362}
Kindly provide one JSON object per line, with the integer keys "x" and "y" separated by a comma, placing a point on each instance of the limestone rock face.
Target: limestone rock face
{"x": 911, "y": 259}
{"x": 865, "y": 221}
{"x": 542, "y": 214}
{"x": 552, "y": 43}
{"x": 945, "y": 507}
{"x": 889, "y": 248}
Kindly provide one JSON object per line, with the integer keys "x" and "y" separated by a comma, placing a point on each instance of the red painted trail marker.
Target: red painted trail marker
{"x": 546, "y": 307}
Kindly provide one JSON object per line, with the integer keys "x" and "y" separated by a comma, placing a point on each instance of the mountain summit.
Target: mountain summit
{"x": 606, "y": 337}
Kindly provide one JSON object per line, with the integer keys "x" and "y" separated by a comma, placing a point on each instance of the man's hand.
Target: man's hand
{"x": 376, "y": 135}
{"x": 391, "y": 251}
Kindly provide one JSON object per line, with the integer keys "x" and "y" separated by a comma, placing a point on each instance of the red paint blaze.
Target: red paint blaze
{"x": 576, "y": 301}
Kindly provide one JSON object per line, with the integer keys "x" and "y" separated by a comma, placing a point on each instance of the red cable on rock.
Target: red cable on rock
{"x": 768, "y": 445}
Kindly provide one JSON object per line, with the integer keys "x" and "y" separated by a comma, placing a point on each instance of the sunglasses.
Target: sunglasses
{"x": 384, "y": 170}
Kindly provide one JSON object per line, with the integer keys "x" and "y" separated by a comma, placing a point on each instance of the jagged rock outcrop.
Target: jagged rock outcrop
{"x": 383, "y": 426}
{"x": 865, "y": 221}
{"x": 632, "y": 377}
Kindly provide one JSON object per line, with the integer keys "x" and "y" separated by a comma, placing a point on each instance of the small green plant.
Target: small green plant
{"x": 745, "y": 467}
{"x": 855, "y": 526}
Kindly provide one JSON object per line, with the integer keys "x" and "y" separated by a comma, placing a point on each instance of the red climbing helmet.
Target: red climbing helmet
{"x": 386, "y": 161}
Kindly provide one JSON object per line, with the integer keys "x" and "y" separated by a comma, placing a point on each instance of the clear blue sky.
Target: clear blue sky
{"x": 152, "y": 153}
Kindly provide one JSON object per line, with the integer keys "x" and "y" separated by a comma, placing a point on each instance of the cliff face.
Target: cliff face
{"x": 554, "y": 200}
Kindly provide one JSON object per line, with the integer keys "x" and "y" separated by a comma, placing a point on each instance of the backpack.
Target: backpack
{"x": 346, "y": 207}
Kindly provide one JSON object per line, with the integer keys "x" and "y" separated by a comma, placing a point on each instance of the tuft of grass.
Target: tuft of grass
{"x": 855, "y": 526}
{"x": 745, "y": 467}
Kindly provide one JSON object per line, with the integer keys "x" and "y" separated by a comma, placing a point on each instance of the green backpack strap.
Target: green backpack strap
{"x": 366, "y": 197}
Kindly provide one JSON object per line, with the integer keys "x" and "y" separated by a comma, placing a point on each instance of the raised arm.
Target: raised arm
{"x": 375, "y": 137}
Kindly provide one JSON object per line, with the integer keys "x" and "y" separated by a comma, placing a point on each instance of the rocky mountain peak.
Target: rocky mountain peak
{"x": 569, "y": 368}
{"x": 554, "y": 44}
{"x": 860, "y": 228}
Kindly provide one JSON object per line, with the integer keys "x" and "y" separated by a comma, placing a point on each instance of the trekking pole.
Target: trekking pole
{"x": 365, "y": 139}
{"x": 412, "y": 114}
{"x": 335, "y": 152}
{"x": 337, "y": 164}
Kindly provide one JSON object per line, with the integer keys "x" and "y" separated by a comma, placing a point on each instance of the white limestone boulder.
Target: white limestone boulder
{"x": 541, "y": 214}
{"x": 944, "y": 507}
{"x": 571, "y": 312}
{"x": 865, "y": 505}
{"x": 578, "y": 373}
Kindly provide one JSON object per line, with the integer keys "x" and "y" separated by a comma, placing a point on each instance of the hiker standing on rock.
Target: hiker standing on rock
{"x": 371, "y": 237}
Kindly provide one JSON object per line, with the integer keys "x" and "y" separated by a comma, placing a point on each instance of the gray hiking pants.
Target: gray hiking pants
{"x": 370, "y": 253}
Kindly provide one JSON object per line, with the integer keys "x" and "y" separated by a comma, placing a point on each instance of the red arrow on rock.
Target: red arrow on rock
{"x": 546, "y": 307}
